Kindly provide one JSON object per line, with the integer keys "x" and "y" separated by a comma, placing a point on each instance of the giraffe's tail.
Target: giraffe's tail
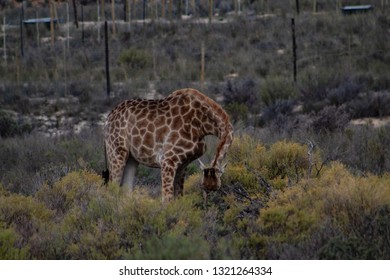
{"x": 106, "y": 172}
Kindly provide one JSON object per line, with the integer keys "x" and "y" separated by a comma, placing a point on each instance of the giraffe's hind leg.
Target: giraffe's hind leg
{"x": 116, "y": 160}
{"x": 129, "y": 173}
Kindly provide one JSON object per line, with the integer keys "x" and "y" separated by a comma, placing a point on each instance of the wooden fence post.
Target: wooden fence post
{"x": 103, "y": 10}
{"x": 163, "y": 8}
{"x": 98, "y": 20}
{"x": 124, "y": 10}
{"x": 108, "y": 84}
{"x": 210, "y": 10}
{"x": 67, "y": 27}
{"x": 4, "y": 41}
{"x": 82, "y": 23}
{"x": 202, "y": 64}
{"x": 21, "y": 31}
{"x": 297, "y": 6}
{"x": 294, "y": 49}
{"x": 51, "y": 23}
{"x": 143, "y": 11}
{"x": 193, "y": 5}
{"x": 113, "y": 17}
{"x": 129, "y": 17}
{"x": 76, "y": 21}
{"x": 37, "y": 29}
{"x": 65, "y": 69}
{"x": 170, "y": 9}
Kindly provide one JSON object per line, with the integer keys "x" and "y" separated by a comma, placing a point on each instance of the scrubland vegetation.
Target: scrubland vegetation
{"x": 277, "y": 202}
{"x": 308, "y": 171}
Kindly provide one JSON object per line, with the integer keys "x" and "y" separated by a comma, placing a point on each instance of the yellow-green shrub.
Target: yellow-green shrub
{"x": 292, "y": 215}
{"x": 10, "y": 245}
{"x": 349, "y": 200}
{"x": 75, "y": 189}
{"x": 287, "y": 159}
{"x": 192, "y": 184}
{"x": 283, "y": 163}
{"x": 246, "y": 150}
{"x": 22, "y": 213}
{"x": 239, "y": 173}
{"x": 144, "y": 221}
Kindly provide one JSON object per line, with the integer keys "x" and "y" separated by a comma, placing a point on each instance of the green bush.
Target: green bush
{"x": 283, "y": 163}
{"x": 9, "y": 248}
{"x": 277, "y": 88}
{"x": 10, "y": 128}
{"x": 135, "y": 58}
{"x": 237, "y": 112}
{"x": 288, "y": 159}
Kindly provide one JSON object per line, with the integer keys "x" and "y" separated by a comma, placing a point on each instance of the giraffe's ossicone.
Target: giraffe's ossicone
{"x": 168, "y": 134}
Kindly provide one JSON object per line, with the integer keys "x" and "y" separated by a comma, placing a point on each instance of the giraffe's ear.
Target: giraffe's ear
{"x": 222, "y": 168}
{"x": 201, "y": 165}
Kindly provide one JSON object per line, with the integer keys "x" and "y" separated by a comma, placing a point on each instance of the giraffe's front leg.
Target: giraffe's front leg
{"x": 168, "y": 173}
{"x": 179, "y": 180}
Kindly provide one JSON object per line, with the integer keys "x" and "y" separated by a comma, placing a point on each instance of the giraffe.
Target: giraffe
{"x": 167, "y": 134}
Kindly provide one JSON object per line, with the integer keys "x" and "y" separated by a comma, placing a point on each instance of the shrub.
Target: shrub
{"x": 10, "y": 128}
{"x": 291, "y": 217}
{"x": 9, "y": 248}
{"x": 276, "y": 89}
{"x": 317, "y": 87}
{"x": 75, "y": 189}
{"x": 366, "y": 149}
{"x": 245, "y": 149}
{"x": 26, "y": 218}
{"x": 135, "y": 58}
{"x": 330, "y": 119}
{"x": 288, "y": 159}
{"x": 237, "y": 112}
{"x": 280, "y": 114}
{"x": 283, "y": 163}
{"x": 370, "y": 105}
{"x": 31, "y": 161}
{"x": 241, "y": 91}
{"x": 173, "y": 248}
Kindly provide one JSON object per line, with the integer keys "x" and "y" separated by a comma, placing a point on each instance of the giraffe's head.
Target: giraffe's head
{"x": 211, "y": 180}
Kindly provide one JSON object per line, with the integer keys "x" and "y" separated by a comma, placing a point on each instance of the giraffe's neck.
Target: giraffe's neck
{"x": 223, "y": 129}
{"x": 216, "y": 122}
{"x": 225, "y": 140}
